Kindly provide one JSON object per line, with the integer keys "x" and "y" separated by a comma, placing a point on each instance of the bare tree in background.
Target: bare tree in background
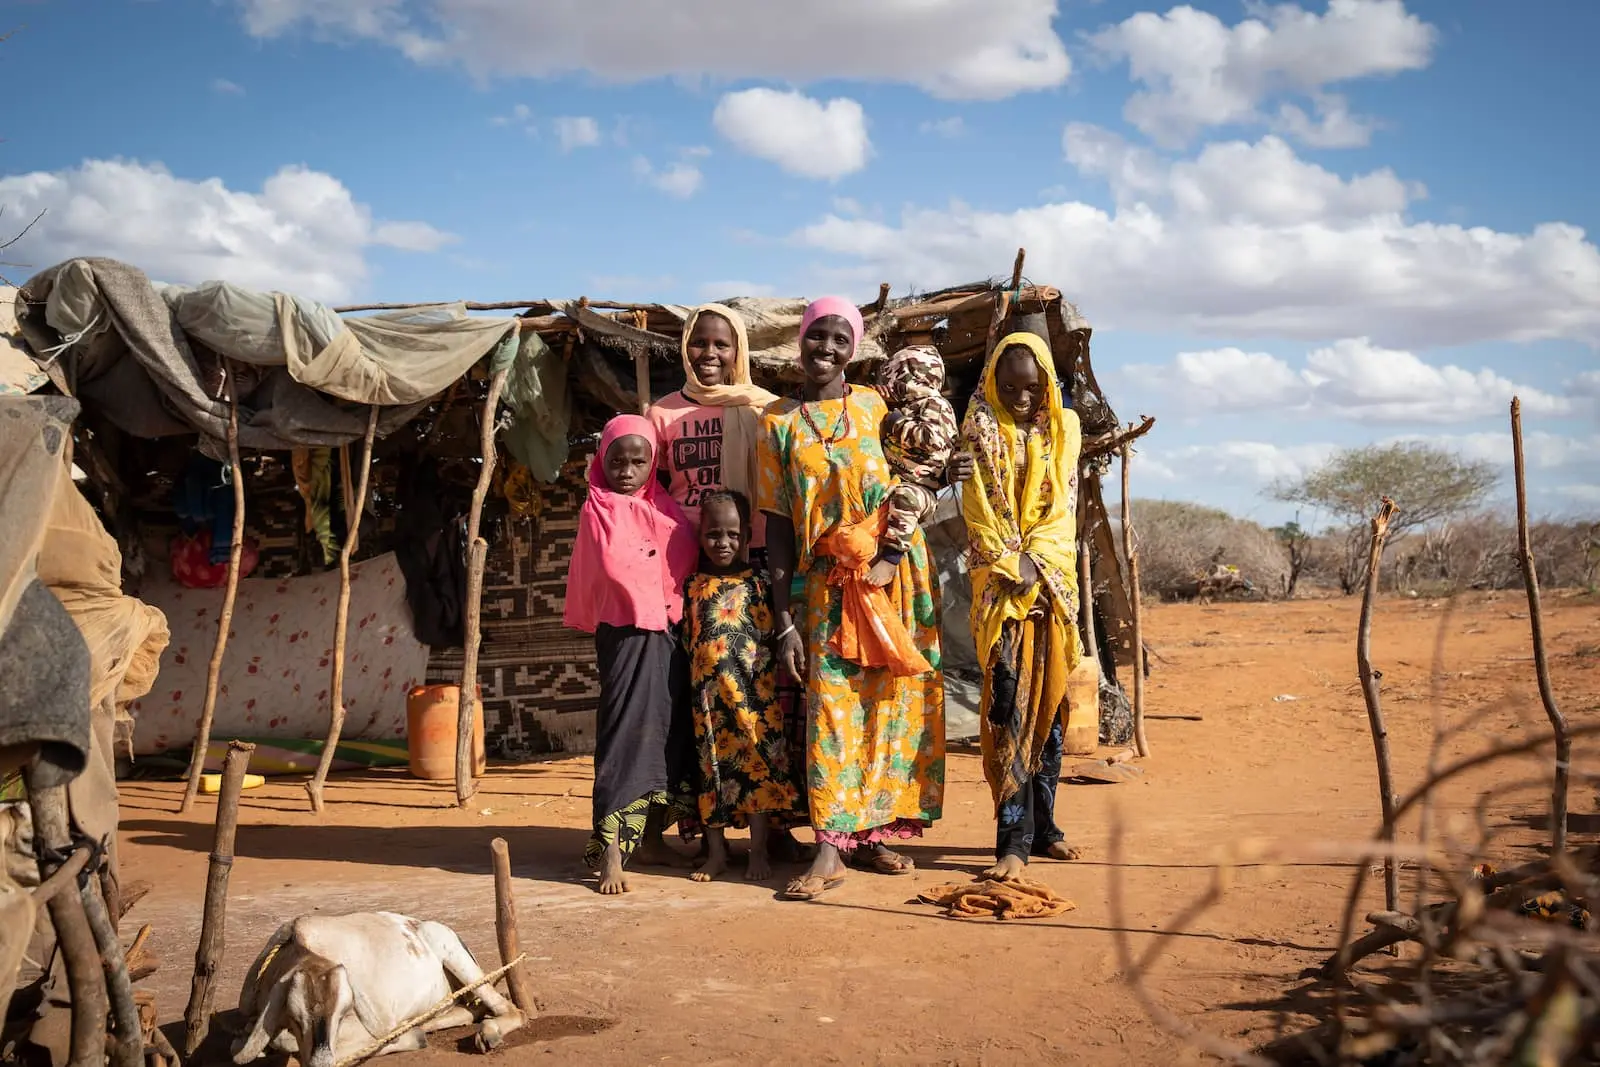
{"x": 1430, "y": 485}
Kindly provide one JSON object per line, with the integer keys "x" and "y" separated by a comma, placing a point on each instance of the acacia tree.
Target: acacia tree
{"x": 1429, "y": 484}
{"x": 1297, "y": 542}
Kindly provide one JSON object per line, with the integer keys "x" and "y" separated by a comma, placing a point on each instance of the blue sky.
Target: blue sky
{"x": 1294, "y": 226}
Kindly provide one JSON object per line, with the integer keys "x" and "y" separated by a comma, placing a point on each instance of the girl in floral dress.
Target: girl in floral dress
{"x": 745, "y": 777}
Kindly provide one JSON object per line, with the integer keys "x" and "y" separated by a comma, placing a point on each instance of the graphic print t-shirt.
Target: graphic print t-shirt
{"x": 691, "y": 453}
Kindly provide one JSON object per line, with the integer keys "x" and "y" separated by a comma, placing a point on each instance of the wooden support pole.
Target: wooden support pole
{"x": 230, "y": 592}
{"x": 1016, "y": 269}
{"x": 86, "y": 984}
{"x": 1130, "y": 549}
{"x": 505, "y": 928}
{"x": 213, "y": 923}
{"x": 641, "y": 380}
{"x": 1541, "y": 665}
{"x": 1369, "y": 693}
{"x": 341, "y": 622}
{"x": 477, "y": 553}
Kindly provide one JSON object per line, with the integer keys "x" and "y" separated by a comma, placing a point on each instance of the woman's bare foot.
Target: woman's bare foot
{"x": 760, "y": 866}
{"x": 827, "y": 872}
{"x": 613, "y": 879}
{"x": 1009, "y": 869}
{"x": 1060, "y": 850}
{"x": 716, "y": 856}
{"x": 885, "y": 860}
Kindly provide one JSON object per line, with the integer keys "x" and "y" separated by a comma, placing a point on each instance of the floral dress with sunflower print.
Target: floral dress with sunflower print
{"x": 738, "y": 722}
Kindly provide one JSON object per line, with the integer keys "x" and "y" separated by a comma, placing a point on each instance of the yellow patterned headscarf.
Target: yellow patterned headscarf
{"x": 741, "y": 401}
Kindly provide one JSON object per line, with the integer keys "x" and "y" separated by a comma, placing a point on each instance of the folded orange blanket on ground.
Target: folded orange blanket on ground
{"x": 1003, "y": 900}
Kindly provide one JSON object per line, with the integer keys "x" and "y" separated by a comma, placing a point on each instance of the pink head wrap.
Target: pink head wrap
{"x": 633, "y": 552}
{"x": 835, "y": 305}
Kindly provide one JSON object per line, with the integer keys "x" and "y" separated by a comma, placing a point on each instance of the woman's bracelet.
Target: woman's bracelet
{"x": 785, "y": 632}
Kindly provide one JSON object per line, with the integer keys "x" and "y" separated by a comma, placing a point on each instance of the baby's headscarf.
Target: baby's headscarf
{"x": 835, "y": 305}
{"x": 914, "y": 371}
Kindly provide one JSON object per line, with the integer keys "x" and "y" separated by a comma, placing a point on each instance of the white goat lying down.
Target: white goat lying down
{"x": 327, "y": 986}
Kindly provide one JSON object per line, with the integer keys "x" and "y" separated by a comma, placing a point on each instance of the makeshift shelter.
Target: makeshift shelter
{"x": 159, "y": 368}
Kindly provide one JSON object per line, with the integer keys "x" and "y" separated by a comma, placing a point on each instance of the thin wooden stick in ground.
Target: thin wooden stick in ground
{"x": 505, "y": 928}
{"x": 341, "y": 622}
{"x": 213, "y": 922}
{"x": 477, "y": 553}
{"x": 641, "y": 379}
{"x": 202, "y": 735}
{"x": 127, "y": 1044}
{"x": 1369, "y": 693}
{"x": 428, "y": 1016}
{"x": 1530, "y": 579}
{"x": 1130, "y": 549}
{"x": 85, "y": 977}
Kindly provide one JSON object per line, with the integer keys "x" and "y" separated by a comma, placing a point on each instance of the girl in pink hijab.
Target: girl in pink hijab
{"x": 635, "y": 548}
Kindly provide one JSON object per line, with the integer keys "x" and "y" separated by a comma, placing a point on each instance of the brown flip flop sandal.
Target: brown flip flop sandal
{"x": 796, "y": 890}
{"x": 881, "y": 864}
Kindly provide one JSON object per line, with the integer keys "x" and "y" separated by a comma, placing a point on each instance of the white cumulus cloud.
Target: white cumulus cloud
{"x": 1245, "y": 240}
{"x": 958, "y": 49}
{"x": 577, "y": 131}
{"x": 1196, "y": 71}
{"x": 804, "y": 136}
{"x": 303, "y": 232}
{"x": 1349, "y": 379}
{"x": 680, "y": 179}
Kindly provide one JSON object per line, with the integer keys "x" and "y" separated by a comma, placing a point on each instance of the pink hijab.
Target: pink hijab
{"x": 835, "y": 305}
{"x": 633, "y": 552}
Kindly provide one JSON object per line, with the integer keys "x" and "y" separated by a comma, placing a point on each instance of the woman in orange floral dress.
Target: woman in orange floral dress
{"x": 864, "y": 629}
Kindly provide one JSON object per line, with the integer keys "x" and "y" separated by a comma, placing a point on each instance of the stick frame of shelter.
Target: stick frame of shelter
{"x": 477, "y": 554}
{"x": 341, "y": 622}
{"x": 1370, "y": 695}
{"x": 505, "y": 929}
{"x": 214, "y": 920}
{"x": 1547, "y": 696}
{"x": 1130, "y": 549}
{"x": 230, "y": 593}
{"x": 85, "y": 976}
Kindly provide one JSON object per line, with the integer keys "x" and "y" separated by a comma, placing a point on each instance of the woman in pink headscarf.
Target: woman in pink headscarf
{"x": 857, "y": 618}
{"x": 635, "y": 548}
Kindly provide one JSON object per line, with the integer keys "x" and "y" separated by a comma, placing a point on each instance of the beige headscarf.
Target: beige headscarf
{"x": 741, "y": 399}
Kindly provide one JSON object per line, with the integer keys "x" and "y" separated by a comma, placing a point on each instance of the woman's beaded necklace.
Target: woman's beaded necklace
{"x": 844, "y": 422}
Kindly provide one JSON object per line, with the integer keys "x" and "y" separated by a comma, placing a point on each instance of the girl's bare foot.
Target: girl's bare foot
{"x": 760, "y": 867}
{"x": 613, "y": 879}
{"x": 716, "y": 856}
{"x": 1060, "y": 850}
{"x": 1009, "y": 869}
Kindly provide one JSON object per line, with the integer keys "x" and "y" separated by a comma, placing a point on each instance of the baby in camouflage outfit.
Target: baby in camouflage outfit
{"x": 919, "y": 436}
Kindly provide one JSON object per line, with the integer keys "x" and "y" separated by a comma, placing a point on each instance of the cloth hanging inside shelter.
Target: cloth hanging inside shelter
{"x": 536, "y": 395}
{"x": 313, "y": 477}
{"x": 204, "y": 498}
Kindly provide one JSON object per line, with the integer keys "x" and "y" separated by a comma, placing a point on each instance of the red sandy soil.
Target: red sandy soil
{"x": 676, "y": 972}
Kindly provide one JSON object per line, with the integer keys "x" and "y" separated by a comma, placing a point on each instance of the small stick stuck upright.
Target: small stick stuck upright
{"x": 213, "y": 924}
{"x": 1547, "y": 695}
{"x": 1369, "y": 693}
{"x": 505, "y": 928}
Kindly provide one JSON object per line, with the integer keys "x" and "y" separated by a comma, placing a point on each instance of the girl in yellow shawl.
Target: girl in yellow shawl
{"x": 1020, "y": 510}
